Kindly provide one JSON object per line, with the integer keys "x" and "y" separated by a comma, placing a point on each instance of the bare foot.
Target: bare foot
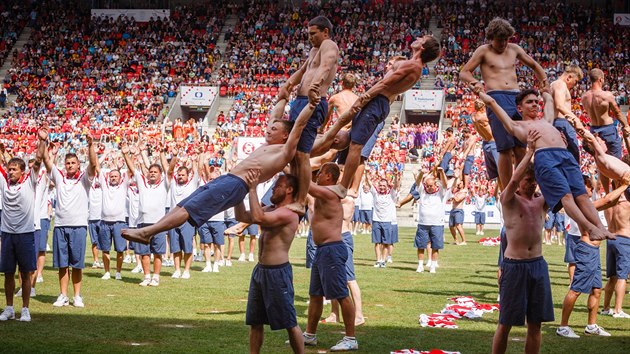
{"x": 234, "y": 230}
{"x": 359, "y": 321}
{"x": 297, "y": 207}
{"x": 330, "y": 319}
{"x": 136, "y": 235}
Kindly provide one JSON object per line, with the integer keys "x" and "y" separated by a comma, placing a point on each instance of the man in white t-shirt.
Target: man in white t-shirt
{"x": 114, "y": 192}
{"x": 152, "y": 191}
{"x": 382, "y": 235}
{"x": 18, "y": 229}
{"x": 71, "y": 219}
{"x": 481, "y": 196}
{"x": 366, "y": 206}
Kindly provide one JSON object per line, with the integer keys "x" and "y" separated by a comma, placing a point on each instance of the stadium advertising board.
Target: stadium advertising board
{"x": 424, "y": 100}
{"x": 199, "y": 96}
{"x": 247, "y": 145}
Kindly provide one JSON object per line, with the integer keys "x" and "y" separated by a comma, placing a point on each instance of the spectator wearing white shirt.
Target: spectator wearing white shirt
{"x": 480, "y": 209}
{"x": 366, "y": 208}
{"x": 382, "y": 235}
{"x": 114, "y": 191}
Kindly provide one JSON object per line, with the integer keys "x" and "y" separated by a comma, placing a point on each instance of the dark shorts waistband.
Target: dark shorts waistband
{"x": 306, "y": 97}
{"x": 588, "y": 245}
{"x": 239, "y": 179}
{"x": 334, "y": 243}
{"x": 275, "y": 266}
{"x": 551, "y": 149}
{"x": 602, "y": 126}
{"x": 503, "y": 92}
{"x": 527, "y": 260}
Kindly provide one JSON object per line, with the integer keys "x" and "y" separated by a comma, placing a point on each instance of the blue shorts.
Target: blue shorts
{"x": 328, "y": 275}
{"x": 109, "y": 231}
{"x": 18, "y": 249}
{"x": 525, "y": 291}
{"x": 563, "y": 125}
{"x": 456, "y": 217}
{"x": 355, "y": 214}
{"x": 41, "y": 235}
{"x": 94, "y": 229}
{"x": 213, "y": 198}
{"x": 504, "y": 243}
{"x": 307, "y": 139}
{"x": 346, "y": 237}
{"x": 251, "y": 230}
{"x": 212, "y": 232}
{"x": 366, "y": 150}
{"x": 230, "y": 222}
{"x": 557, "y": 174}
{"x": 266, "y": 199}
{"x": 69, "y": 246}
{"x": 381, "y": 232}
{"x": 588, "y": 270}
{"x": 311, "y": 249}
{"x": 480, "y": 217}
{"x": 446, "y": 159}
{"x": 182, "y": 238}
{"x": 365, "y": 216}
{"x": 429, "y": 233}
{"x": 270, "y": 298}
{"x": 156, "y": 246}
{"x": 570, "y": 241}
{"x": 491, "y": 157}
{"x": 394, "y": 231}
{"x": 468, "y": 164}
{"x": 610, "y": 135}
{"x": 507, "y": 101}
{"x": 364, "y": 124}
{"x": 618, "y": 257}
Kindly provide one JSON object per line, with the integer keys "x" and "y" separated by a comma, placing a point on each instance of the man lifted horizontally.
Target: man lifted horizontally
{"x": 229, "y": 190}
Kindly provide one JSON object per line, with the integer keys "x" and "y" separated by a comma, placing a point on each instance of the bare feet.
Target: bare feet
{"x": 359, "y": 321}
{"x": 299, "y": 208}
{"x": 234, "y": 230}
{"x": 330, "y": 319}
{"x": 136, "y": 235}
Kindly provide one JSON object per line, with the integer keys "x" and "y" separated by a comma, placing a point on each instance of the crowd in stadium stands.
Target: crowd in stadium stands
{"x": 13, "y": 18}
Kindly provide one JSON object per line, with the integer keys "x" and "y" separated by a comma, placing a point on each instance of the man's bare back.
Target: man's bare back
{"x": 347, "y": 204}
{"x": 561, "y": 97}
{"x": 327, "y": 217}
{"x": 597, "y": 103}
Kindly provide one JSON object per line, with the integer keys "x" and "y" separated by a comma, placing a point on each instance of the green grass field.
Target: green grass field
{"x": 206, "y": 313}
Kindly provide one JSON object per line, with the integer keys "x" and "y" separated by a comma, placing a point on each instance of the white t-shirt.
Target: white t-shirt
{"x": 72, "y": 198}
{"x": 480, "y": 203}
{"x": 181, "y": 192}
{"x": 133, "y": 205}
{"x": 113, "y": 207}
{"x": 18, "y": 213}
{"x": 152, "y": 198}
{"x": 431, "y": 205}
{"x": 41, "y": 199}
{"x": 383, "y": 204}
{"x": 95, "y": 204}
{"x": 366, "y": 200}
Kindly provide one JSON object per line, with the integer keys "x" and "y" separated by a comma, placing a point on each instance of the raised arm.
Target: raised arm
{"x": 296, "y": 78}
{"x": 611, "y": 199}
{"x": 124, "y": 149}
{"x": 320, "y": 192}
{"x": 43, "y": 137}
{"x": 510, "y": 190}
{"x": 39, "y": 156}
{"x": 278, "y": 110}
{"x": 532, "y": 64}
{"x": 93, "y": 165}
{"x": 277, "y": 217}
{"x": 549, "y": 113}
{"x": 291, "y": 144}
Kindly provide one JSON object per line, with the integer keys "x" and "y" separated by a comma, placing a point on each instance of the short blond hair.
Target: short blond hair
{"x": 575, "y": 70}
{"x": 595, "y": 74}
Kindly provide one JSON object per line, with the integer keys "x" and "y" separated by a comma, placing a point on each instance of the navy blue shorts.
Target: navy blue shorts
{"x": 480, "y": 217}
{"x": 213, "y": 198}
{"x": 18, "y": 250}
{"x": 557, "y": 174}
{"x": 307, "y": 139}
{"x": 365, "y": 216}
{"x": 212, "y": 232}
{"x": 270, "y": 298}
{"x": 429, "y": 233}
{"x": 346, "y": 237}
{"x": 182, "y": 238}
{"x": 381, "y": 232}
{"x": 311, "y": 250}
{"x": 563, "y": 125}
{"x": 610, "y": 135}
{"x": 504, "y": 243}
{"x": 94, "y": 229}
{"x": 364, "y": 124}
{"x": 491, "y": 157}
{"x": 570, "y": 241}
{"x": 394, "y": 231}
{"x": 588, "y": 270}
{"x": 328, "y": 275}
{"x": 251, "y": 230}
{"x": 446, "y": 159}
{"x": 369, "y": 145}
{"x": 41, "y": 235}
{"x": 355, "y": 214}
{"x": 618, "y": 257}
{"x": 112, "y": 231}
{"x": 507, "y": 101}
{"x": 156, "y": 246}
{"x": 230, "y": 222}
{"x": 468, "y": 164}
{"x": 69, "y": 246}
{"x": 456, "y": 217}
{"x": 525, "y": 292}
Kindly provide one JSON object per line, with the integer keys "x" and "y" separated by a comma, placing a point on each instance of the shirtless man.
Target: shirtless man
{"x": 456, "y": 216}
{"x": 468, "y": 147}
{"x": 347, "y": 205}
{"x": 271, "y": 294}
{"x": 557, "y": 172}
{"x": 525, "y": 289}
{"x": 587, "y": 276}
{"x": 447, "y": 149}
{"x": 498, "y": 70}
{"x": 328, "y": 274}
{"x": 374, "y": 104}
{"x": 228, "y": 190}
{"x": 597, "y": 103}
{"x": 341, "y": 101}
{"x": 607, "y": 165}
{"x": 564, "y": 117}
{"x": 489, "y": 147}
{"x": 318, "y": 71}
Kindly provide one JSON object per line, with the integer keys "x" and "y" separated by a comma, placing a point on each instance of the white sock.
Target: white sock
{"x": 9, "y": 308}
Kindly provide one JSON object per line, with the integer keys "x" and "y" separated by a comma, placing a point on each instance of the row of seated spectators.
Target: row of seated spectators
{"x": 14, "y": 16}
